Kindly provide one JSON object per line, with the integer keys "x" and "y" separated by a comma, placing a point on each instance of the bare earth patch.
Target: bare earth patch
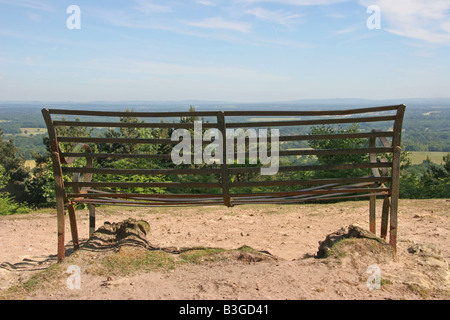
{"x": 246, "y": 252}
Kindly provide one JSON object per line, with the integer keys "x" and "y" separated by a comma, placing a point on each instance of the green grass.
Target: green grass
{"x": 199, "y": 255}
{"x": 43, "y": 279}
{"x": 128, "y": 261}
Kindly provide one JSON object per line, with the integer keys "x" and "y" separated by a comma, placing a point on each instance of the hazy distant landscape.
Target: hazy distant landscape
{"x": 426, "y": 130}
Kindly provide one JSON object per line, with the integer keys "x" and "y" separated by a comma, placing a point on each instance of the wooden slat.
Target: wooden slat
{"x": 143, "y": 184}
{"x": 116, "y": 155}
{"x": 281, "y": 138}
{"x": 219, "y": 170}
{"x": 286, "y": 201}
{"x": 94, "y": 124}
{"x": 143, "y": 171}
{"x": 121, "y": 140}
{"x": 144, "y": 195}
{"x": 334, "y": 151}
{"x": 306, "y": 182}
{"x": 308, "y": 122}
{"x": 312, "y": 113}
{"x": 336, "y": 136}
{"x": 236, "y": 154}
{"x": 226, "y": 113}
{"x": 176, "y": 197}
{"x": 149, "y": 203}
{"x": 133, "y": 113}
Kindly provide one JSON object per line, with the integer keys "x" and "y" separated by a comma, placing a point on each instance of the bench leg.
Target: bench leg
{"x": 61, "y": 227}
{"x": 73, "y": 226}
{"x": 394, "y": 197}
{"x": 393, "y": 224}
{"x": 91, "y": 219}
{"x": 385, "y": 218}
{"x": 372, "y": 214}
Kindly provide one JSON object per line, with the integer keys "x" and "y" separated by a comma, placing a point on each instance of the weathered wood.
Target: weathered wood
{"x": 384, "y": 182}
{"x": 73, "y": 226}
{"x": 226, "y": 113}
{"x": 372, "y": 214}
{"x": 308, "y": 122}
{"x": 59, "y": 123}
{"x": 60, "y": 199}
{"x": 201, "y": 171}
{"x": 143, "y": 184}
{"x": 224, "y": 165}
{"x": 177, "y": 197}
{"x": 385, "y": 217}
{"x": 395, "y": 190}
{"x": 307, "y": 182}
{"x": 91, "y": 219}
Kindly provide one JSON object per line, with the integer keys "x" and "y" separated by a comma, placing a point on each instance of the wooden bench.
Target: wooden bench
{"x": 222, "y": 182}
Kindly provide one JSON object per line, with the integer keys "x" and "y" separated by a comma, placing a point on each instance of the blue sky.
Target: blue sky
{"x": 235, "y": 50}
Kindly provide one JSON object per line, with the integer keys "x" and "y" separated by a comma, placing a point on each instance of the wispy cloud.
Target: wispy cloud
{"x": 148, "y": 7}
{"x": 31, "y": 4}
{"x": 300, "y": 2}
{"x": 281, "y": 17}
{"x": 219, "y": 23}
{"x": 427, "y": 20}
{"x": 347, "y": 30}
{"x": 206, "y": 2}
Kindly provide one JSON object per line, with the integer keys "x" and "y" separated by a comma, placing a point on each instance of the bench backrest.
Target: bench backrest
{"x": 129, "y": 157}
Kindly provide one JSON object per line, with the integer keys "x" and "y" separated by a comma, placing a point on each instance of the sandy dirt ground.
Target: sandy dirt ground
{"x": 290, "y": 233}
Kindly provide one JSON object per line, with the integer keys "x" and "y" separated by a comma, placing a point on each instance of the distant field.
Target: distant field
{"x": 33, "y": 131}
{"x": 417, "y": 157}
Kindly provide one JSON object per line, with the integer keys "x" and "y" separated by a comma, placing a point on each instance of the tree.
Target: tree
{"x": 15, "y": 170}
{"x": 353, "y": 143}
{"x": 446, "y": 159}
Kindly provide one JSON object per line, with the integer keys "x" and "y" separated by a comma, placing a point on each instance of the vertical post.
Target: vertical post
{"x": 385, "y": 217}
{"x": 396, "y": 140}
{"x": 59, "y": 183}
{"x": 59, "y": 192}
{"x": 395, "y": 190}
{"x": 395, "y": 185}
{"x": 73, "y": 226}
{"x": 91, "y": 219}
{"x": 224, "y": 165}
{"x": 373, "y": 199}
{"x": 372, "y": 214}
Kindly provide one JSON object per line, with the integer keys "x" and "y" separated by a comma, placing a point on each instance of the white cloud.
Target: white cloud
{"x": 148, "y": 7}
{"x": 206, "y": 2}
{"x": 219, "y": 23}
{"x": 300, "y": 2}
{"x": 347, "y": 30}
{"x": 280, "y": 17}
{"x": 31, "y": 4}
{"x": 426, "y": 20}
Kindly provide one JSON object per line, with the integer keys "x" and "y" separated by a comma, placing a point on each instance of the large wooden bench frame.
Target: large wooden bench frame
{"x": 383, "y": 182}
